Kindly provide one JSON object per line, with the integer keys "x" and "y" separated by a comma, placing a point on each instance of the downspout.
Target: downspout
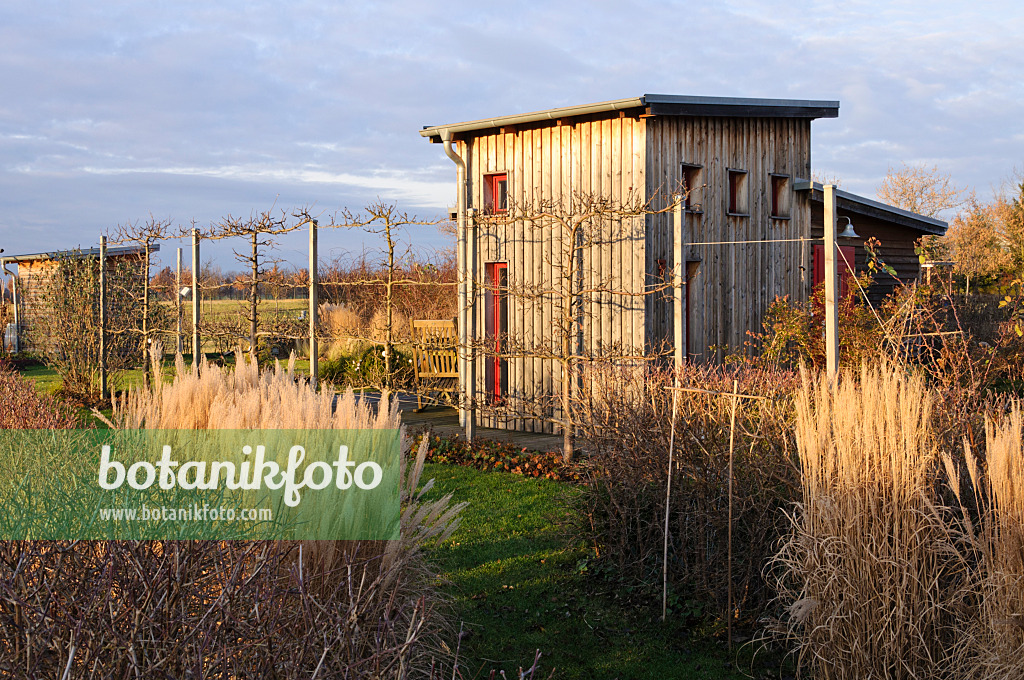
{"x": 465, "y": 389}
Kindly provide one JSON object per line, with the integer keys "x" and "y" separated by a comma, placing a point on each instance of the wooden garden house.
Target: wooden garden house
{"x": 747, "y": 232}
{"x": 124, "y": 267}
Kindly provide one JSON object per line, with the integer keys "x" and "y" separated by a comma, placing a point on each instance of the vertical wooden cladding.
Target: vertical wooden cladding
{"x": 897, "y": 248}
{"x": 550, "y": 163}
{"x": 734, "y": 283}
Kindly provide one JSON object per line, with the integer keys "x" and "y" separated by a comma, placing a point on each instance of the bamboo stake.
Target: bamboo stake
{"x": 668, "y": 498}
{"x": 732, "y": 437}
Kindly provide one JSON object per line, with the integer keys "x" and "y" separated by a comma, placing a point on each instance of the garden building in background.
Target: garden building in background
{"x": 41, "y": 277}
{"x": 580, "y": 198}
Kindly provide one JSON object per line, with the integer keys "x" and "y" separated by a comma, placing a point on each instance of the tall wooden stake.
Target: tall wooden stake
{"x": 732, "y": 438}
{"x": 104, "y": 391}
{"x": 314, "y": 281}
{"x": 678, "y": 272}
{"x": 668, "y": 498}
{"x": 831, "y": 285}
{"x": 197, "y": 350}
{"x": 735, "y": 396}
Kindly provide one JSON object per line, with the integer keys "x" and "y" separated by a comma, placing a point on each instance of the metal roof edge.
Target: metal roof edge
{"x": 535, "y": 116}
{"x": 80, "y": 252}
{"x": 853, "y": 201}
{"x": 666, "y": 104}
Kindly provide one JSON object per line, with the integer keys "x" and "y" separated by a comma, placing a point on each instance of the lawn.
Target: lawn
{"x": 517, "y": 588}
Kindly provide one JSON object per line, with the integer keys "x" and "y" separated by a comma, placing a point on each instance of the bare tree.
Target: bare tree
{"x": 922, "y": 190}
{"x": 385, "y": 220}
{"x": 581, "y": 226}
{"x": 261, "y": 231}
{"x": 826, "y": 178}
{"x": 975, "y": 244}
{"x": 145, "y": 235}
{"x": 1008, "y": 214}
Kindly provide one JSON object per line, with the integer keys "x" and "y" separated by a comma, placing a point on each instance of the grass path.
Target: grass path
{"x": 517, "y": 588}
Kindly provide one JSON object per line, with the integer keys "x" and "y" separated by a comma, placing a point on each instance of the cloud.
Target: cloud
{"x": 113, "y": 109}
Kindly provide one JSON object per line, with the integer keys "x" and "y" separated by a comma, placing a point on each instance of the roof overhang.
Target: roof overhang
{"x": 115, "y": 251}
{"x": 870, "y": 208}
{"x": 650, "y": 105}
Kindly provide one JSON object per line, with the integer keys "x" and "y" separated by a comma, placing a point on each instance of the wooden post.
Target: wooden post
{"x": 254, "y": 295}
{"x": 678, "y": 274}
{"x": 145, "y": 318}
{"x": 177, "y": 301}
{"x": 831, "y": 285}
{"x": 196, "y": 342}
{"x": 314, "y": 281}
{"x": 471, "y": 323}
{"x": 104, "y": 390}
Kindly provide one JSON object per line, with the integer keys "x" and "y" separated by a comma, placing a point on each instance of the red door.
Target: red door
{"x": 496, "y": 310}
{"x": 845, "y": 264}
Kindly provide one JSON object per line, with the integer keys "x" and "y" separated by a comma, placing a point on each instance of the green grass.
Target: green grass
{"x": 45, "y": 378}
{"x": 518, "y": 587}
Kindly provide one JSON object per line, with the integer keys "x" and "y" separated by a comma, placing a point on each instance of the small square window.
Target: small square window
{"x": 692, "y": 184}
{"x": 738, "y": 193}
{"x": 496, "y": 193}
{"x": 780, "y": 197}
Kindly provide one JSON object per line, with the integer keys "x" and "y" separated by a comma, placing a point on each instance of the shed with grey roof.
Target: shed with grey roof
{"x": 749, "y": 221}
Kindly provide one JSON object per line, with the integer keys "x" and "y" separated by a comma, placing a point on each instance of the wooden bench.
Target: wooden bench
{"x": 435, "y": 359}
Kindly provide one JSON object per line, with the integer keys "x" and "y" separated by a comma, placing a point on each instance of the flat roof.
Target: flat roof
{"x": 113, "y": 251}
{"x": 871, "y": 208}
{"x": 657, "y": 105}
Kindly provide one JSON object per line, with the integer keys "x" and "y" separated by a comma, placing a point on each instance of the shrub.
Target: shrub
{"x": 626, "y": 423}
{"x": 22, "y": 408}
{"x": 484, "y": 454}
{"x": 334, "y": 370}
{"x": 232, "y": 609}
{"x": 794, "y": 332}
{"x": 369, "y": 370}
{"x": 64, "y": 327}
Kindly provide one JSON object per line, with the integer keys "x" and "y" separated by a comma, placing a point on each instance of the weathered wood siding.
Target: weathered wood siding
{"x": 731, "y": 285}
{"x": 896, "y": 249}
{"x": 35, "y": 283}
{"x": 550, "y": 163}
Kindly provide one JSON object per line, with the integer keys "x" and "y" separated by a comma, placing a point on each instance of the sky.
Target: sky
{"x": 117, "y": 112}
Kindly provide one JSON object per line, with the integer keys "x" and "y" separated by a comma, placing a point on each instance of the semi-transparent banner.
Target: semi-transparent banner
{"x": 199, "y": 484}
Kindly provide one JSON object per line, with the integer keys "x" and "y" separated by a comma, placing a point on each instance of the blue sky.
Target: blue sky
{"x": 115, "y": 111}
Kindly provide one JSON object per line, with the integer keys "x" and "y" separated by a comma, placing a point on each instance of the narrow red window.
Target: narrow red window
{"x": 496, "y": 192}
